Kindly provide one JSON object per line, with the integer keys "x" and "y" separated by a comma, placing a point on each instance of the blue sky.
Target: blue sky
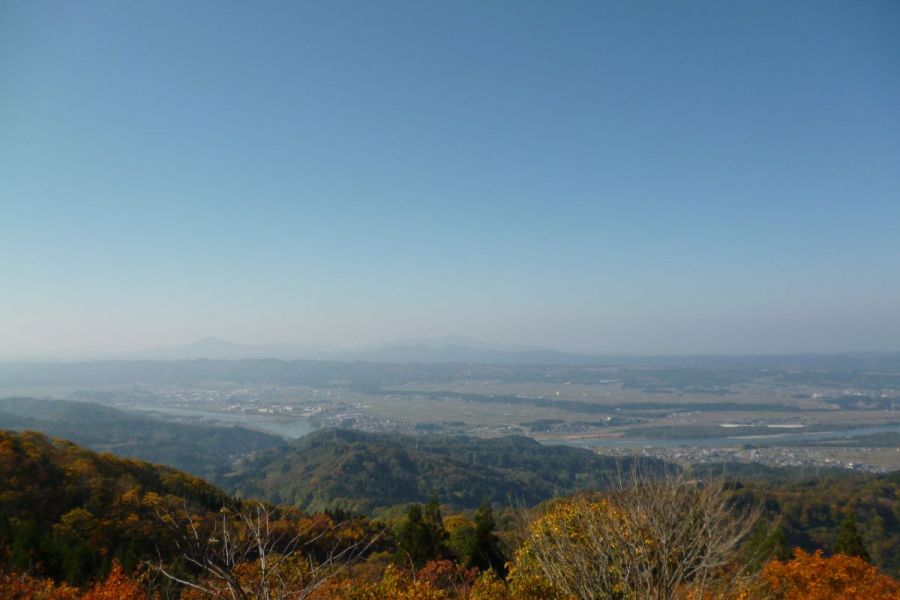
{"x": 642, "y": 177}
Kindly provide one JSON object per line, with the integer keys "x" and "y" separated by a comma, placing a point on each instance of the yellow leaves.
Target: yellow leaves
{"x": 395, "y": 584}
{"x": 291, "y": 573}
{"x": 76, "y": 524}
{"x": 489, "y": 587}
{"x": 532, "y": 586}
{"x": 455, "y": 521}
{"x": 569, "y": 531}
{"x": 130, "y": 497}
{"x": 152, "y": 499}
{"x": 81, "y": 468}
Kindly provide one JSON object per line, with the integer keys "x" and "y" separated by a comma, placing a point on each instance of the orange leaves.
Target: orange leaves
{"x": 447, "y": 575}
{"x": 23, "y": 587}
{"x": 814, "y": 577}
{"x": 116, "y": 586}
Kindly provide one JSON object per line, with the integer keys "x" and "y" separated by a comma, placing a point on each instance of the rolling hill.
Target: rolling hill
{"x": 204, "y": 450}
{"x": 365, "y": 471}
{"x": 72, "y": 511}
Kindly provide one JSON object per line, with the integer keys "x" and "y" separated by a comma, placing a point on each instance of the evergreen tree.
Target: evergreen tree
{"x": 485, "y": 552}
{"x": 778, "y": 542}
{"x": 422, "y": 536}
{"x": 412, "y": 537}
{"x": 849, "y": 542}
{"x": 434, "y": 521}
{"x": 766, "y": 543}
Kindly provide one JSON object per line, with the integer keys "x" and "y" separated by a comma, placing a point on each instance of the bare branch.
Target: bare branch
{"x": 246, "y": 554}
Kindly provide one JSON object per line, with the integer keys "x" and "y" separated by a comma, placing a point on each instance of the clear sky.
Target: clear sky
{"x": 641, "y": 177}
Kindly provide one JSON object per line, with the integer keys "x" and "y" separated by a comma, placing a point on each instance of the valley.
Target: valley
{"x": 780, "y": 411}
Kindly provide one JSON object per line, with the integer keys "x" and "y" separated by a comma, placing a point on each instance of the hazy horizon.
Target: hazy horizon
{"x": 301, "y": 350}
{"x": 615, "y": 178}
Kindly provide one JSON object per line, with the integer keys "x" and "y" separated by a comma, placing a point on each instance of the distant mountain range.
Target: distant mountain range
{"x": 450, "y": 349}
{"x": 459, "y": 352}
{"x": 455, "y": 349}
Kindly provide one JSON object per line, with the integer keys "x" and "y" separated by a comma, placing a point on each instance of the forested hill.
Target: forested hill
{"x": 365, "y": 471}
{"x": 205, "y": 450}
{"x": 68, "y": 513}
{"x": 59, "y": 504}
{"x": 807, "y": 512}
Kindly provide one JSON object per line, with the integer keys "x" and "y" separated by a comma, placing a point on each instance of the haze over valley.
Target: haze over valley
{"x": 416, "y": 300}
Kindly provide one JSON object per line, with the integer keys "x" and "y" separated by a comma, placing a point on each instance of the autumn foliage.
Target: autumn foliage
{"x": 116, "y": 586}
{"x": 17, "y": 586}
{"x": 76, "y": 525}
{"x": 839, "y": 577}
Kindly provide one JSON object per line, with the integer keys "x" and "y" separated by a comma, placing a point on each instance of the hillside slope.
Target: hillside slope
{"x": 365, "y": 471}
{"x": 208, "y": 451}
{"x": 60, "y": 504}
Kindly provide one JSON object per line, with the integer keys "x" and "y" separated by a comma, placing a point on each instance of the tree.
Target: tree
{"x": 248, "y": 554}
{"x": 849, "y": 542}
{"x": 766, "y": 543}
{"x": 421, "y": 537}
{"x": 18, "y": 586}
{"x": 116, "y": 586}
{"x": 485, "y": 550}
{"x": 462, "y": 535}
{"x": 648, "y": 538}
{"x": 72, "y": 543}
{"x": 840, "y": 577}
{"x": 394, "y": 584}
{"x": 435, "y": 523}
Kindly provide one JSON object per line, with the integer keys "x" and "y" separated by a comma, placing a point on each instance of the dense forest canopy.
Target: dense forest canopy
{"x": 72, "y": 516}
{"x": 366, "y": 471}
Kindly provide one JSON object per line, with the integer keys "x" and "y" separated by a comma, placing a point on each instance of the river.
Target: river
{"x": 289, "y": 427}
{"x": 778, "y": 439}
